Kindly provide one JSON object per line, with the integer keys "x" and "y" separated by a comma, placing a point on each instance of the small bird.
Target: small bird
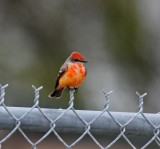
{"x": 71, "y": 74}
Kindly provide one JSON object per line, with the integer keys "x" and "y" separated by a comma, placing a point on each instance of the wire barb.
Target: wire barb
{"x": 71, "y": 97}
{"x": 2, "y": 92}
{"x": 140, "y": 106}
{"x": 36, "y": 90}
{"x": 107, "y": 98}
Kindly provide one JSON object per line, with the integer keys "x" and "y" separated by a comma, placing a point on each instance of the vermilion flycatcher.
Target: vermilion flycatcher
{"x": 71, "y": 74}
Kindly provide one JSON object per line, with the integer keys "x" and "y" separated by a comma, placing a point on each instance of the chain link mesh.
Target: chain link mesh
{"x": 88, "y": 125}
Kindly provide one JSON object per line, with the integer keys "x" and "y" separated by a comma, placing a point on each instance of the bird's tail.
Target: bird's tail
{"x": 56, "y": 93}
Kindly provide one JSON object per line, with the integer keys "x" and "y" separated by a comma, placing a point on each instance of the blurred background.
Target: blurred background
{"x": 120, "y": 39}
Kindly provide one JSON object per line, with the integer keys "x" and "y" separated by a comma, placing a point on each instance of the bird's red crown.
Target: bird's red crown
{"x": 77, "y": 55}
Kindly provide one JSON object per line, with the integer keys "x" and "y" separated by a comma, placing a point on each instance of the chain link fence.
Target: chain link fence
{"x": 121, "y": 125}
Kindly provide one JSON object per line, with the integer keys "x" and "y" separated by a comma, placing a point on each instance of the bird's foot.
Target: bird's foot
{"x": 68, "y": 88}
{"x": 75, "y": 88}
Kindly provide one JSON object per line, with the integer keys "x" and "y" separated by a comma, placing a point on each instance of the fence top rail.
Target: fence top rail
{"x": 68, "y": 123}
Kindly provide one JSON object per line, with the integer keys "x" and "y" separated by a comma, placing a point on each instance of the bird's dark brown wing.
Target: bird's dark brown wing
{"x": 86, "y": 71}
{"x": 62, "y": 71}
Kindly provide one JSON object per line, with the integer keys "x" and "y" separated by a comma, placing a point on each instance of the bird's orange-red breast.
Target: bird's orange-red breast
{"x": 71, "y": 75}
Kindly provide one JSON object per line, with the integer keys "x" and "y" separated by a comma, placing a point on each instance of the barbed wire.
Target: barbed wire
{"x": 85, "y": 123}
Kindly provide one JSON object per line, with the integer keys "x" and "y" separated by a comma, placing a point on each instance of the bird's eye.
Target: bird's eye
{"x": 76, "y": 60}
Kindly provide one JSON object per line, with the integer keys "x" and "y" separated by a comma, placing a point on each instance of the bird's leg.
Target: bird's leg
{"x": 68, "y": 88}
{"x": 76, "y": 89}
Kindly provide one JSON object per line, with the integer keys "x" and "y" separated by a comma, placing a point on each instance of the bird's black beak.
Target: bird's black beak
{"x": 84, "y": 61}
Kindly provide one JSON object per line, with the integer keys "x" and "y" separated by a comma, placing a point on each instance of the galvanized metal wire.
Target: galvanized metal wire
{"x": 86, "y": 123}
